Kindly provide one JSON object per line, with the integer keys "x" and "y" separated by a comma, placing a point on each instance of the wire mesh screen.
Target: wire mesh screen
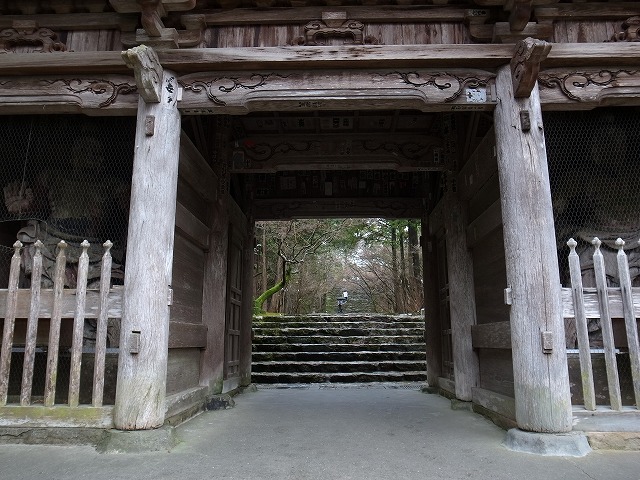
{"x": 64, "y": 177}
{"x": 594, "y": 169}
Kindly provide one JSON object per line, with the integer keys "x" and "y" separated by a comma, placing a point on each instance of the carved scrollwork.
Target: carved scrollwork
{"x": 317, "y": 30}
{"x": 46, "y": 38}
{"x": 97, "y": 87}
{"x": 566, "y": 82}
{"x": 409, "y": 150}
{"x": 442, "y": 81}
{"x": 262, "y": 152}
{"x": 631, "y": 31}
{"x": 227, "y": 85}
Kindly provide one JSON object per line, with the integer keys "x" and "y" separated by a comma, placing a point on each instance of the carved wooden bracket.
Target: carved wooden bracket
{"x": 520, "y": 13}
{"x": 525, "y": 65}
{"x": 335, "y": 25}
{"x": 26, "y": 33}
{"x": 631, "y": 32}
{"x": 148, "y": 71}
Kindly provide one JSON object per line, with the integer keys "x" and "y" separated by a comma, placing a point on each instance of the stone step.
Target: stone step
{"x": 346, "y": 317}
{"x": 340, "y": 324}
{"x": 339, "y": 347}
{"x": 335, "y": 330}
{"x": 351, "y": 377}
{"x": 328, "y": 339}
{"x": 337, "y": 367}
{"x": 359, "y": 355}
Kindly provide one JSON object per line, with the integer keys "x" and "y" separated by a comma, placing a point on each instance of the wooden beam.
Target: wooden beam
{"x": 76, "y": 21}
{"x": 369, "y": 56}
{"x": 541, "y": 382}
{"x": 525, "y": 65}
{"x": 67, "y": 303}
{"x": 520, "y": 14}
{"x": 586, "y": 11}
{"x": 436, "y": 218}
{"x": 368, "y": 14}
{"x": 432, "y": 325}
{"x": 280, "y": 209}
{"x": 35, "y": 416}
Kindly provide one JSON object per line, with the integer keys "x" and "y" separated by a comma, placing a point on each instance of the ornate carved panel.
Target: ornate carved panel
{"x": 426, "y": 90}
{"x": 30, "y": 35}
{"x": 589, "y": 87}
{"x": 116, "y": 93}
{"x": 630, "y": 31}
{"x": 400, "y": 152}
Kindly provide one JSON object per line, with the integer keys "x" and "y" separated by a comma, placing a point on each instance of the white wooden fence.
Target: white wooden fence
{"x": 604, "y": 303}
{"x": 56, "y": 304}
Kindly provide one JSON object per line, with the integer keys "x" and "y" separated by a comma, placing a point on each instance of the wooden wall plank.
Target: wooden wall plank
{"x": 482, "y": 226}
{"x": 188, "y": 272}
{"x": 492, "y": 335}
{"x": 187, "y": 335}
{"x": 191, "y": 228}
{"x": 183, "y": 369}
{"x": 501, "y": 404}
{"x": 496, "y": 370}
{"x": 480, "y": 167}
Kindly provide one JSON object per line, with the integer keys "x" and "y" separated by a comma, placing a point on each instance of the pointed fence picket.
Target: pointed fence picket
{"x": 36, "y": 303}
{"x": 604, "y": 303}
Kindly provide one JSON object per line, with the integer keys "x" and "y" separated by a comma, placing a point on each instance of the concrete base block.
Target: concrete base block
{"x": 572, "y": 444}
{"x": 138, "y": 441}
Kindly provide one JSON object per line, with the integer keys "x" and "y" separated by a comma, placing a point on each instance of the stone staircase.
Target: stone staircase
{"x": 345, "y": 348}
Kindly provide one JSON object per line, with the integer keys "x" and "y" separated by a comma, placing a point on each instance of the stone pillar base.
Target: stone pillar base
{"x": 138, "y": 441}
{"x": 572, "y": 444}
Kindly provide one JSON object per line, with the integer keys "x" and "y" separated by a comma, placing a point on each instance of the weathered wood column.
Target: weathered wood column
{"x": 142, "y": 365}
{"x": 462, "y": 300}
{"x": 247, "y": 303}
{"x": 432, "y": 328}
{"x": 214, "y": 303}
{"x": 541, "y": 383}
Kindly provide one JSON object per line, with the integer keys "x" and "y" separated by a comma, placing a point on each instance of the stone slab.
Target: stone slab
{"x": 138, "y": 441}
{"x": 572, "y": 444}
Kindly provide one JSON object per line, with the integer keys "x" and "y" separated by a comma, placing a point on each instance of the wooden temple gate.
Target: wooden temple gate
{"x": 183, "y": 336}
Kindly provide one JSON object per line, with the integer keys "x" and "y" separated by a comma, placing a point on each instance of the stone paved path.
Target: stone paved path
{"x": 324, "y": 433}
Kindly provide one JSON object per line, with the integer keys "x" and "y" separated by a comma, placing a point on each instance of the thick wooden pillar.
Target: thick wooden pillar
{"x": 214, "y": 301}
{"x": 462, "y": 300}
{"x": 541, "y": 383}
{"x": 432, "y": 328}
{"x": 247, "y": 304}
{"x": 142, "y": 365}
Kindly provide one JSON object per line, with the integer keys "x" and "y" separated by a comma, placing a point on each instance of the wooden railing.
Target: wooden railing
{"x": 37, "y": 304}
{"x": 604, "y": 303}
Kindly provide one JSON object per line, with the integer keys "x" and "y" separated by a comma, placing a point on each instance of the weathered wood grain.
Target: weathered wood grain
{"x": 246, "y": 320}
{"x": 431, "y": 311}
{"x": 187, "y": 335}
{"x": 9, "y": 323}
{"x": 54, "y": 327}
{"x": 149, "y": 265}
{"x": 492, "y": 335}
{"x": 195, "y": 170}
{"x": 586, "y": 369}
{"x": 32, "y": 328}
{"x": 543, "y": 400}
{"x": 101, "y": 327}
{"x": 607, "y": 328}
{"x": 78, "y": 327}
{"x": 496, "y": 402}
{"x": 187, "y": 283}
{"x": 67, "y": 303}
{"x": 60, "y": 416}
{"x": 482, "y": 226}
{"x": 631, "y": 326}
{"x": 191, "y": 227}
{"x": 479, "y": 168}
